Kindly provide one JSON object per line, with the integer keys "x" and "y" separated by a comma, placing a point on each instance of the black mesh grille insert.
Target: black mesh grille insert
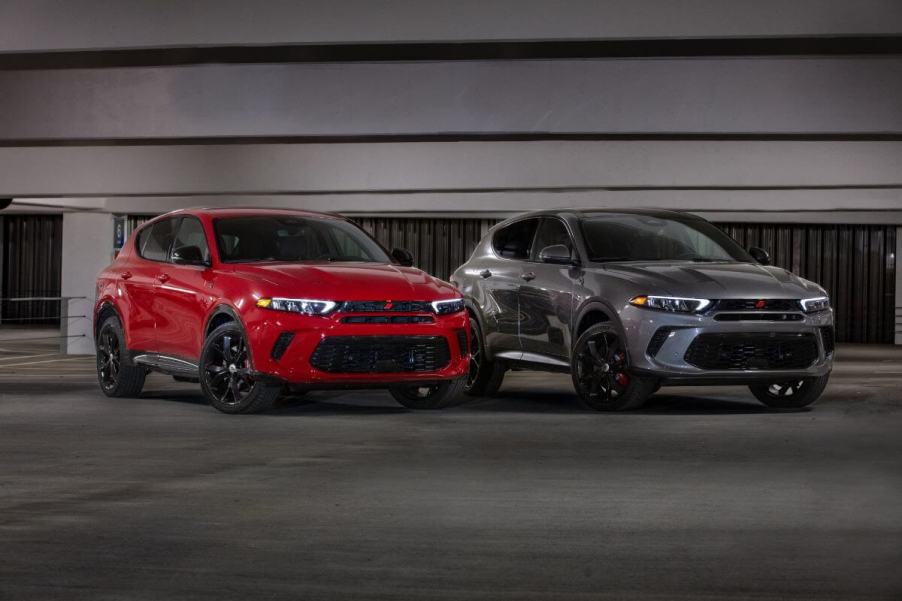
{"x": 828, "y": 338}
{"x": 385, "y": 306}
{"x": 752, "y": 304}
{"x": 381, "y": 354}
{"x": 752, "y": 351}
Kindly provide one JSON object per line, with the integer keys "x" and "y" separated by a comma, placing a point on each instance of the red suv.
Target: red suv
{"x": 249, "y": 302}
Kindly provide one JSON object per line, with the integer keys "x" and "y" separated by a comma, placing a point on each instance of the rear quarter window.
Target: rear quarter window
{"x": 515, "y": 240}
{"x": 154, "y": 240}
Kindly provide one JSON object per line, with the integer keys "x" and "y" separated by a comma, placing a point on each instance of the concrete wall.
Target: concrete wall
{"x": 382, "y": 173}
{"x": 654, "y": 96}
{"x": 30, "y": 25}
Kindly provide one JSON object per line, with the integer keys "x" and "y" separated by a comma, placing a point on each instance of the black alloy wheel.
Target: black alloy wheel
{"x": 109, "y": 358}
{"x": 227, "y": 369}
{"x": 116, "y": 378}
{"x": 601, "y": 372}
{"x": 792, "y": 394}
{"x": 227, "y": 377}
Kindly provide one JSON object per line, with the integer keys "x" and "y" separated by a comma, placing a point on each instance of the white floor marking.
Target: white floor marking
{"x": 45, "y": 361}
{"x": 20, "y": 357}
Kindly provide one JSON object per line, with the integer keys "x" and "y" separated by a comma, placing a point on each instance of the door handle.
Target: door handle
{"x": 125, "y": 275}
{"x": 163, "y": 278}
{"x": 485, "y": 273}
{"x": 528, "y": 276}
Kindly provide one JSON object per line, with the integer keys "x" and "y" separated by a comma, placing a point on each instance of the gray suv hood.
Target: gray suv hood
{"x": 712, "y": 280}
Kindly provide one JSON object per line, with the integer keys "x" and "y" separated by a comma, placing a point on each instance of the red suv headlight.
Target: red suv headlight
{"x": 446, "y": 307}
{"x": 304, "y": 306}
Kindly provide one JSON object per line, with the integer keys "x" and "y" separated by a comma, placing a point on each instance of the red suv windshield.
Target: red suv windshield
{"x": 288, "y": 238}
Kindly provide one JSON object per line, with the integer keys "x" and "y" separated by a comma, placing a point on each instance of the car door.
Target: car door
{"x": 139, "y": 281}
{"x": 501, "y": 283}
{"x": 546, "y": 297}
{"x": 183, "y": 292}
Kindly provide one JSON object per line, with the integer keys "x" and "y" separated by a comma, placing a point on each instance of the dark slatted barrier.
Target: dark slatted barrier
{"x": 32, "y": 266}
{"x": 855, "y": 263}
{"x": 439, "y": 245}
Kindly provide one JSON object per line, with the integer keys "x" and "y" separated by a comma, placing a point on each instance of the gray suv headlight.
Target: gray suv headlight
{"x": 674, "y": 304}
{"x": 812, "y": 305}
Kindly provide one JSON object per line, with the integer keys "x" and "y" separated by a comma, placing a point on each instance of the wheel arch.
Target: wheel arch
{"x": 474, "y": 312}
{"x": 219, "y": 315}
{"x": 593, "y": 312}
{"x": 105, "y": 310}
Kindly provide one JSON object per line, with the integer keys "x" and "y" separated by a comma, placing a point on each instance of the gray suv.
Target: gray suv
{"x": 630, "y": 300}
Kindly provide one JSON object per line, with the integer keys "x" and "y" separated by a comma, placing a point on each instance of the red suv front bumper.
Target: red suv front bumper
{"x": 357, "y": 353}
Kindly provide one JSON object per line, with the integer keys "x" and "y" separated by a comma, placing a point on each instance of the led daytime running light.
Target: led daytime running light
{"x": 673, "y": 304}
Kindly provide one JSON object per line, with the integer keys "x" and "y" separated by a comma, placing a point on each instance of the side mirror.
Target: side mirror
{"x": 760, "y": 255}
{"x": 556, "y": 253}
{"x": 402, "y": 257}
{"x": 188, "y": 255}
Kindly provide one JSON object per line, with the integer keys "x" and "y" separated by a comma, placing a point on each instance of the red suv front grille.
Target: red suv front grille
{"x": 385, "y": 306}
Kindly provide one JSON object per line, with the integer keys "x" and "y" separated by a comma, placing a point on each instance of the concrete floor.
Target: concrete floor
{"x": 703, "y": 495}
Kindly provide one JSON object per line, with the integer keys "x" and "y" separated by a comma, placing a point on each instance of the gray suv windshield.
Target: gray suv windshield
{"x": 624, "y": 237}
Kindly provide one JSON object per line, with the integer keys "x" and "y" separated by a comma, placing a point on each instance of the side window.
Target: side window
{"x": 154, "y": 241}
{"x": 551, "y": 231}
{"x": 515, "y": 240}
{"x": 191, "y": 233}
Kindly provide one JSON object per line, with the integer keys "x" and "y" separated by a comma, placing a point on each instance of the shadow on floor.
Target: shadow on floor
{"x": 546, "y": 400}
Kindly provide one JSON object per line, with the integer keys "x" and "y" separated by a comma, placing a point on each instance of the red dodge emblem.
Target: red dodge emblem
{"x": 388, "y": 305}
{"x": 759, "y": 304}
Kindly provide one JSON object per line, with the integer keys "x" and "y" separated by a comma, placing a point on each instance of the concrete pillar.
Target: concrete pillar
{"x": 87, "y": 248}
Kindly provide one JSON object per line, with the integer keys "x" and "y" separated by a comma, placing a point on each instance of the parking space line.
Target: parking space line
{"x": 45, "y": 361}
{"x": 15, "y": 357}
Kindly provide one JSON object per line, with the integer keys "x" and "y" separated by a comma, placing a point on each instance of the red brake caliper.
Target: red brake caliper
{"x": 620, "y": 377}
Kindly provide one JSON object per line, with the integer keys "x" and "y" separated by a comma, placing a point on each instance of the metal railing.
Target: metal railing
{"x": 63, "y": 315}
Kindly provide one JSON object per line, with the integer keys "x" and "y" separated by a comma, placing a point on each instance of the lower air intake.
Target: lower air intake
{"x": 381, "y": 354}
{"x": 752, "y": 351}
{"x": 281, "y": 345}
{"x": 462, "y": 343}
{"x": 828, "y": 338}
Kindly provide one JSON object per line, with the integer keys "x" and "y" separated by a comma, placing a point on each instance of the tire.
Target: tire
{"x": 115, "y": 378}
{"x": 600, "y": 371}
{"x": 794, "y": 394}
{"x": 428, "y": 396}
{"x": 485, "y": 376}
{"x": 224, "y": 373}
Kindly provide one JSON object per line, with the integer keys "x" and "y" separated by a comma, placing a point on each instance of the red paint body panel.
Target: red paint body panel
{"x": 165, "y": 308}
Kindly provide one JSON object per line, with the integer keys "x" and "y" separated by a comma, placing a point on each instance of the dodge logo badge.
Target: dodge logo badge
{"x": 760, "y": 303}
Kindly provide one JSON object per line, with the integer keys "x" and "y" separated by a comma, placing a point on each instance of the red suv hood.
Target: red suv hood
{"x": 346, "y": 281}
